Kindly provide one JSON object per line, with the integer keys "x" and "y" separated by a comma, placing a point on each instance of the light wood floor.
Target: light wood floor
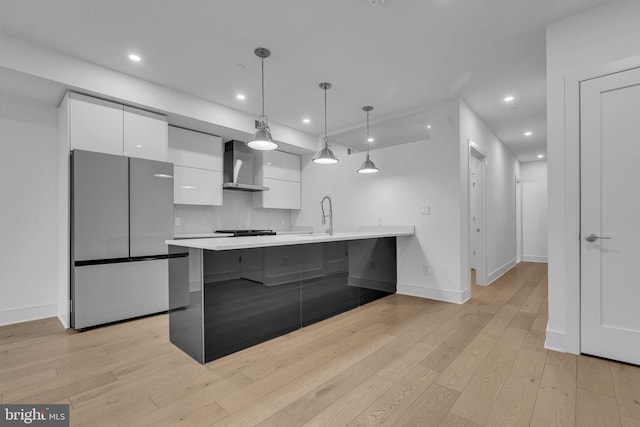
{"x": 397, "y": 361}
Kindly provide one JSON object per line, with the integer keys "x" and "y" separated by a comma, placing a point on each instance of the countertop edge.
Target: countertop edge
{"x": 231, "y": 243}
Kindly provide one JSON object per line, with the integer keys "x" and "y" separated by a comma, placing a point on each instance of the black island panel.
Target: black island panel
{"x": 253, "y": 295}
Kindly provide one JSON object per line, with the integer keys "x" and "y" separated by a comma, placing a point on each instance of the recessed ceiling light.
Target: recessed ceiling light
{"x": 134, "y": 57}
{"x": 508, "y": 98}
{"x": 240, "y": 66}
{"x": 241, "y": 97}
{"x": 428, "y": 126}
{"x": 306, "y": 121}
{"x": 540, "y": 156}
{"x": 370, "y": 139}
{"x": 528, "y": 133}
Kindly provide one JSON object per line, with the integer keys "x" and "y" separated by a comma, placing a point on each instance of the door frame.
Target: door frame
{"x": 481, "y": 253}
{"x": 569, "y": 259}
{"x": 518, "y": 209}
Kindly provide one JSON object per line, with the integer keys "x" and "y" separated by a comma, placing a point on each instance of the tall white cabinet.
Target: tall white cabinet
{"x": 197, "y": 159}
{"x": 94, "y": 124}
{"x": 280, "y": 172}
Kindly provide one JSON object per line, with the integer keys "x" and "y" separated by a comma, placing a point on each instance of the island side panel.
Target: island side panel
{"x": 373, "y": 267}
{"x": 185, "y": 301}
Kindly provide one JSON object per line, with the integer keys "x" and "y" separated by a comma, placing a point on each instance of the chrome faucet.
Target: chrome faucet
{"x": 329, "y": 230}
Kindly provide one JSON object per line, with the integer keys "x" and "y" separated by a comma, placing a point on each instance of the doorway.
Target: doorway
{"x": 477, "y": 251}
{"x": 609, "y": 202}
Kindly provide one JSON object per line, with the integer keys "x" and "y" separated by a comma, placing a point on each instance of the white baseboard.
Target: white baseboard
{"x": 496, "y": 274}
{"x": 26, "y": 314}
{"x": 446, "y": 295}
{"x": 534, "y": 258}
{"x": 555, "y": 341}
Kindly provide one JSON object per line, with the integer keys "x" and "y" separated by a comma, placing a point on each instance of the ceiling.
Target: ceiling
{"x": 399, "y": 56}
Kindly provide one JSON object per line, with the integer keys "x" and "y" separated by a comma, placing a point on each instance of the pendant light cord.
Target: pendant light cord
{"x": 326, "y": 140}
{"x": 368, "y": 143}
{"x": 262, "y": 61}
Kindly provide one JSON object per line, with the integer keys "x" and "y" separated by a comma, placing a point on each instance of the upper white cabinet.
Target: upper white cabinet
{"x": 145, "y": 134}
{"x": 94, "y": 124}
{"x": 198, "y": 167}
{"x": 280, "y": 172}
{"x": 195, "y": 149}
{"x": 280, "y": 165}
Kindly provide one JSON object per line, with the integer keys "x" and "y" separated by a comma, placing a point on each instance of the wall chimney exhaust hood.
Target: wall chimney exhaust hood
{"x": 238, "y": 168}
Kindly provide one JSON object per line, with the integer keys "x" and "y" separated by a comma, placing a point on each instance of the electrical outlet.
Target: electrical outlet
{"x": 425, "y": 210}
{"x": 285, "y": 260}
{"x": 178, "y": 221}
{"x": 281, "y": 221}
{"x": 425, "y": 269}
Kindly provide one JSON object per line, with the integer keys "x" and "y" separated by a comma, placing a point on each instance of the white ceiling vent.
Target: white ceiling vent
{"x": 376, "y": 2}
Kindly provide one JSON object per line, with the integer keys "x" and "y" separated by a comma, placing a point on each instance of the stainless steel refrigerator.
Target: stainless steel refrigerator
{"x": 121, "y": 214}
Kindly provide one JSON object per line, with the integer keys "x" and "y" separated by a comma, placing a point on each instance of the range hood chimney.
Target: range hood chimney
{"x": 238, "y": 168}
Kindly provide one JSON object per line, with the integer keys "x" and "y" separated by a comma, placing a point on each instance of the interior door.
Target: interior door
{"x": 473, "y": 224}
{"x": 610, "y": 202}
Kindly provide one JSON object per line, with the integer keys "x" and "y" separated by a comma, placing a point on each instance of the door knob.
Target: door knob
{"x": 591, "y": 237}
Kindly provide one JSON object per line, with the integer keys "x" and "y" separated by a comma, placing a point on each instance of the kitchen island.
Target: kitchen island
{"x": 230, "y": 293}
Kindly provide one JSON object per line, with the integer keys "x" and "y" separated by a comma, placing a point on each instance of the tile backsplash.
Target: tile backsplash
{"x": 237, "y": 213}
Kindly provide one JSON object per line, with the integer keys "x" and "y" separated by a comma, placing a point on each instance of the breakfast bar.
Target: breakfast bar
{"x": 230, "y": 293}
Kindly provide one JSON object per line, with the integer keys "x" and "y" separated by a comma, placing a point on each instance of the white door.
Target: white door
{"x": 473, "y": 209}
{"x": 610, "y": 204}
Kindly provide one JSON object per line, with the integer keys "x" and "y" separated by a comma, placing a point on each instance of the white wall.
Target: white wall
{"x": 29, "y": 216}
{"x": 411, "y": 175}
{"x": 501, "y": 170}
{"x": 533, "y": 178}
{"x": 237, "y": 212}
{"x": 582, "y": 44}
{"x": 92, "y": 79}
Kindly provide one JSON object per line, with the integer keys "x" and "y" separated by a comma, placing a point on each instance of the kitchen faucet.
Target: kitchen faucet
{"x": 329, "y": 230}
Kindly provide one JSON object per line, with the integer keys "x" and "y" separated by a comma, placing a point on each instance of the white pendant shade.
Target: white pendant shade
{"x": 368, "y": 167}
{"x": 325, "y": 156}
{"x": 262, "y": 139}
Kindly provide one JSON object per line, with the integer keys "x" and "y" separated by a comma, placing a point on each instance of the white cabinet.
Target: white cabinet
{"x": 195, "y": 149}
{"x": 145, "y": 134}
{"x": 281, "y": 165}
{"x": 281, "y": 195}
{"x": 280, "y": 172}
{"x": 94, "y": 124}
{"x": 197, "y": 174}
{"x": 192, "y": 186}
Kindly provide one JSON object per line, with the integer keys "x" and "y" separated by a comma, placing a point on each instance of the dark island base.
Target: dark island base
{"x": 250, "y": 297}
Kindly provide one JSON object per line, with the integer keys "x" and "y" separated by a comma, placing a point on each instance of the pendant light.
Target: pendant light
{"x": 262, "y": 139}
{"x": 325, "y": 156}
{"x": 368, "y": 166}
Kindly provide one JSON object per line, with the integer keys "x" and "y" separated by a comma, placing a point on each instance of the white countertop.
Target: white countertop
{"x": 229, "y": 243}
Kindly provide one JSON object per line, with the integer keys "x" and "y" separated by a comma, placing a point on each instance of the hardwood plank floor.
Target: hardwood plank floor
{"x": 397, "y": 361}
